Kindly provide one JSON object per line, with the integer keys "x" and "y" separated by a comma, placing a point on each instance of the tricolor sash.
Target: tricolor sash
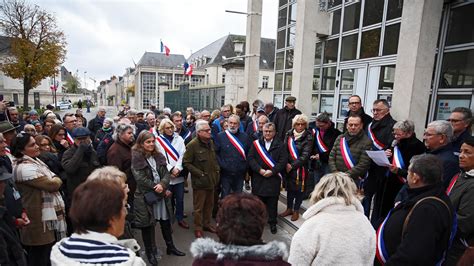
{"x": 346, "y": 154}
{"x": 397, "y": 161}
{"x": 377, "y": 144}
{"x": 255, "y": 126}
{"x": 319, "y": 141}
{"x": 451, "y": 184}
{"x": 381, "y": 252}
{"x": 7, "y": 150}
{"x": 266, "y": 157}
{"x": 169, "y": 149}
{"x": 294, "y": 155}
{"x": 187, "y": 135}
{"x": 69, "y": 138}
{"x": 236, "y": 143}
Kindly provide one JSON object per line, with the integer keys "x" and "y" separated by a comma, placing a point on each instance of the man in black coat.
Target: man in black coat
{"x": 418, "y": 230}
{"x": 284, "y": 117}
{"x": 266, "y": 178}
{"x": 380, "y": 133}
{"x": 461, "y": 121}
{"x": 270, "y": 111}
{"x": 97, "y": 122}
{"x": 355, "y": 107}
{"x": 437, "y": 137}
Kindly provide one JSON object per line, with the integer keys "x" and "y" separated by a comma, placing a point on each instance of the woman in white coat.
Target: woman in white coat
{"x": 335, "y": 232}
{"x": 171, "y": 145}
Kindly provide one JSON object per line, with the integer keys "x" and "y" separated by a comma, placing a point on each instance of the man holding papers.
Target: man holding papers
{"x": 348, "y": 153}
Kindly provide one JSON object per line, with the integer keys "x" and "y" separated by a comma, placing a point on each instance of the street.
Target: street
{"x": 182, "y": 237}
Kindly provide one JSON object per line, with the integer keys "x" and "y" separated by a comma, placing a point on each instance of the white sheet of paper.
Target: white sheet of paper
{"x": 379, "y": 157}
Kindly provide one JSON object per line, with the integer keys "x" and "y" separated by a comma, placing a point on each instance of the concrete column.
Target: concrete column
{"x": 234, "y": 82}
{"x": 309, "y": 22}
{"x": 252, "y": 50}
{"x": 415, "y": 60}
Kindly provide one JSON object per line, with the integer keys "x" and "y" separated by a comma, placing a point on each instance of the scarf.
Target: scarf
{"x": 297, "y": 135}
{"x": 52, "y": 209}
{"x": 106, "y": 130}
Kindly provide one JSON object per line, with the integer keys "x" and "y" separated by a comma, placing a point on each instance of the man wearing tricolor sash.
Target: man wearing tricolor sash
{"x": 171, "y": 145}
{"x": 70, "y": 123}
{"x": 461, "y": 194}
{"x": 298, "y": 142}
{"x": 324, "y": 136}
{"x": 380, "y": 133}
{"x": 267, "y": 158}
{"x": 348, "y": 153}
{"x": 177, "y": 120}
{"x": 419, "y": 230}
{"x": 232, "y": 147}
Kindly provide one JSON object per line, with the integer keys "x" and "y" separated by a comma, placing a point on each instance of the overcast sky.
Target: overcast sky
{"x": 104, "y": 36}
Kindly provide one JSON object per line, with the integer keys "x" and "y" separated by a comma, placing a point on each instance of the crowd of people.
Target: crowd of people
{"x": 72, "y": 190}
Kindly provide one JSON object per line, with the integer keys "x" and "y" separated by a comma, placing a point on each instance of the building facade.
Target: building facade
{"x": 418, "y": 55}
{"x": 156, "y": 73}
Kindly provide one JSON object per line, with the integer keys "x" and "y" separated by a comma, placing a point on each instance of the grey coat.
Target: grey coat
{"x": 141, "y": 170}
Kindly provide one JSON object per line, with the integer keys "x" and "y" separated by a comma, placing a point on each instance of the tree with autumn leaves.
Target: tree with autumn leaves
{"x": 38, "y": 46}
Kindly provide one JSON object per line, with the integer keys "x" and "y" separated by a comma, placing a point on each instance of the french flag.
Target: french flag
{"x": 189, "y": 71}
{"x": 165, "y": 49}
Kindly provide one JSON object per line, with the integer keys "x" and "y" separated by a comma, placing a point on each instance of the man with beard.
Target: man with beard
{"x": 15, "y": 119}
{"x": 231, "y": 148}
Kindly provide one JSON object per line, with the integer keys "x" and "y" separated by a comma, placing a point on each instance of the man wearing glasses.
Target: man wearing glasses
{"x": 226, "y": 111}
{"x": 200, "y": 159}
{"x": 380, "y": 133}
{"x": 437, "y": 138}
{"x": 461, "y": 121}
{"x": 355, "y": 108}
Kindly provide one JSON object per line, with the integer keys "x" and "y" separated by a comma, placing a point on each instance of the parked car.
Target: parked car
{"x": 63, "y": 105}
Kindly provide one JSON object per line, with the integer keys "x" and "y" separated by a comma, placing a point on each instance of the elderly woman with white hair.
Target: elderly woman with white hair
{"x": 336, "y": 231}
{"x": 298, "y": 142}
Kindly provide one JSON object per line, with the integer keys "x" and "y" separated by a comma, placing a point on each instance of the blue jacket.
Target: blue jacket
{"x": 230, "y": 160}
{"x": 450, "y": 162}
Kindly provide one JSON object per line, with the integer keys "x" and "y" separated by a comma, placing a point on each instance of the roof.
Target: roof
{"x": 161, "y": 60}
{"x": 224, "y": 46}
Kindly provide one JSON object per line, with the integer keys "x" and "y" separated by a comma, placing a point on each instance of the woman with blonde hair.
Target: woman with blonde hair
{"x": 336, "y": 231}
{"x": 171, "y": 145}
{"x": 298, "y": 142}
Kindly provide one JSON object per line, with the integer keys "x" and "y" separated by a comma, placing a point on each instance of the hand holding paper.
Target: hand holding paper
{"x": 379, "y": 158}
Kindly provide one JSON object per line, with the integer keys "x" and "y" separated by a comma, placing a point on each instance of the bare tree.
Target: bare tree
{"x": 38, "y": 47}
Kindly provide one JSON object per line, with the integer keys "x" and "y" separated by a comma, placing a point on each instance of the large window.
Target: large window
{"x": 329, "y": 78}
{"x": 390, "y": 42}
{"x": 370, "y": 43}
{"x": 148, "y": 80}
{"x": 458, "y": 70}
{"x": 461, "y": 25}
{"x": 330, "y": 51}
{"x": 351, "y": 17}
{"x": 373, "y": 12}
{"x": 394, "y": 9}
{"x": 349, "y": 47}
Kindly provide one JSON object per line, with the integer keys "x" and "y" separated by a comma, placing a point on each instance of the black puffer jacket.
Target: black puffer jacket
{"x": 303, "y": 146}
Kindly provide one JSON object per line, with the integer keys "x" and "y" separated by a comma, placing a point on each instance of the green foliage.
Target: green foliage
{"x": 38, "y": 47}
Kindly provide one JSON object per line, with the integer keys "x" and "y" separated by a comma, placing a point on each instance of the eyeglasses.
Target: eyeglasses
{"x": 300, "y": 124}
{"x": 454, "y": 120}
{"x": 378, "y": 110}
{"x": 354, "y": 103}
{"x": 205, "y": 130}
